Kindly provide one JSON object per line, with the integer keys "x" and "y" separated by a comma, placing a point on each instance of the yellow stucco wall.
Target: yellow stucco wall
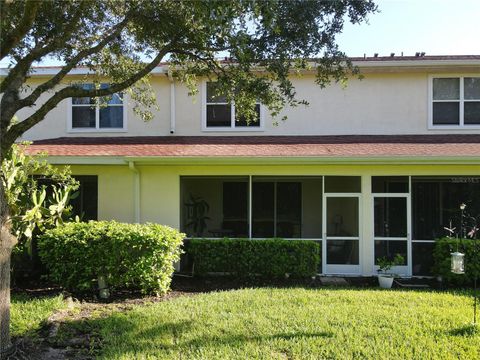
{"x": 160, "y": 189}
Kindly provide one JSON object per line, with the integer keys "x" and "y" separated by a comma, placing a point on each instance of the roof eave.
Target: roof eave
{"x": 265, "y": 160}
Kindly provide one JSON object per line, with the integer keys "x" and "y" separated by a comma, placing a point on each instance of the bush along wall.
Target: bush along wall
{"x": 128, "y": 255}
{"x": 444, "y": 247}
{"x": 273, "y": 258}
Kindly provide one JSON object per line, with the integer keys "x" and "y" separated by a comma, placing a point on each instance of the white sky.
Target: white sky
{"x": 437, "y": 27}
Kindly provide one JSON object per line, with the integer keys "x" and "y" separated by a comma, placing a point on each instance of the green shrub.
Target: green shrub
{"x": 128, "y": 255}
{"x": 444, "y": 247}
{"x": 265, "y": 258}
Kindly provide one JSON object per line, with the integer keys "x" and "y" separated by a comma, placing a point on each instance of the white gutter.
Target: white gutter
{"x": 306, "y": 160}
{"x": 396, "y": 62}
{"x": 267, "y": 160}
{"x": 172, "y": 102}
{"x": 136, "y": 190}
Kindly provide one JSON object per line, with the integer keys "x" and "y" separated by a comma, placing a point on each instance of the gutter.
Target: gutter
{"x": 136, "y": 190}
{"x": 172, "y": 102}
{"x": 264, "y": 160}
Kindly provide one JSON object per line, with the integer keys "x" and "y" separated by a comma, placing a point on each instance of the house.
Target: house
{"x": 374, "y": 169}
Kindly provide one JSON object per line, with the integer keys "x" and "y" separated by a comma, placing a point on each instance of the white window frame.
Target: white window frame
{"x": 461, "y": 100}
{"x": 97, "y": 128}
{"x": 232, "y": 126}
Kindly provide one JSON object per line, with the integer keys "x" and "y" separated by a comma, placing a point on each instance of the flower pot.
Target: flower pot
{"x": 385, "y": 282}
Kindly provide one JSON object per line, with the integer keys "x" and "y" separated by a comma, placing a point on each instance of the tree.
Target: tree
{"x": 263, "y": 42}
{"x": 37, "y": 193}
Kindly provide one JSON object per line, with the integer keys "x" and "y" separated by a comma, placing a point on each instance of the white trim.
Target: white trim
{"x": 341, "y": 269}
{"x": 405, "y": 270}
{"x": 461, "y": 101}
{"x": 232, "y": 127}
{"x": 396, "y": 62}
{"x": 225, "y": 160}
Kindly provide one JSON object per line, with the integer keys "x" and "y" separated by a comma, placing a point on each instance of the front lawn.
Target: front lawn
{"x": 298, "y": 323}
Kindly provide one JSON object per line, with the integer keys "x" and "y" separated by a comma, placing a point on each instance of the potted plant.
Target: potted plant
{"x": 385, "y": 279}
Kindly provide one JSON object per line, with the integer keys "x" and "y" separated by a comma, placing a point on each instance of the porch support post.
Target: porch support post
{"x": 367, "y": 260}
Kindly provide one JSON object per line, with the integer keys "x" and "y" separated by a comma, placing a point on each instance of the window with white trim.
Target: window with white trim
{"x": 90, "y": 114}
{"x": 220, "y": 114}
{"x": 455, "y": 101}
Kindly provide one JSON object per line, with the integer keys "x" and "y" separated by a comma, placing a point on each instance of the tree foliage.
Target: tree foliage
{"x": 262, "y": 42}
{"x": 37, "y": 193}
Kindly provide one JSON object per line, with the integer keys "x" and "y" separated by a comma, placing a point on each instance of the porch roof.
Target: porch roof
{"x": 321, "y": 147}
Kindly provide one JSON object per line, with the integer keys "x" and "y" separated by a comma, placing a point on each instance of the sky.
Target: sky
{"x": 436, "y": 27}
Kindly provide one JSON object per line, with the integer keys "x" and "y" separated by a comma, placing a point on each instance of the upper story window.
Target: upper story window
{"x": 455, "y": 101}
{"x": 218, "y": 114}
{"x": 88, "y": 115}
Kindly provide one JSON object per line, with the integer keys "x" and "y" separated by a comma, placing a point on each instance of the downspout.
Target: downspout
{"x": 172, "y": 102}
{"x": 136, "y": 190}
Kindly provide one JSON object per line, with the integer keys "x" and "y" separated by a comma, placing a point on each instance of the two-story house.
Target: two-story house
{"x": 377, "y": 168}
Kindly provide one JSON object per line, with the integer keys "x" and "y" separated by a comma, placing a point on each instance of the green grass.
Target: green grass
{"x": 295, "y": 324}
{"x": 27, "y": 314}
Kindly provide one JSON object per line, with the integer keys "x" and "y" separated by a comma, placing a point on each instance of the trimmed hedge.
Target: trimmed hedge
{"x": 442, "y": 260}
{"x": 245, "y": 258}
{"x": 128, "y": 255}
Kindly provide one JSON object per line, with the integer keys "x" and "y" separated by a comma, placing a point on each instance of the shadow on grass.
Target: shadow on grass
{"x": 120, "y": 335}
{"x": 466, "y": 331}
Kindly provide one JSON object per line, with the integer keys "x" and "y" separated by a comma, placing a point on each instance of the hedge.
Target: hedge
{"x": 264, "y": 258}
{"x": 128, "y": 255}
{"x": 442, "y": 260}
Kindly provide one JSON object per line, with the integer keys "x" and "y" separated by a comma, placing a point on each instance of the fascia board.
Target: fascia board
{"x": 378, "y": 160}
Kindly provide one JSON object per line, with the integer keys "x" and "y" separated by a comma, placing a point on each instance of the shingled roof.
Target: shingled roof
{"x": 457, "y": 146}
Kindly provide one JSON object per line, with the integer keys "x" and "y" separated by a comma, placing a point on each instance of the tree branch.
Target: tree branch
{"x": 51, "y": 83}
{"x": 12, "y": 39}
{"x": 17, "y": 74}
{"x": 72, "y": 91}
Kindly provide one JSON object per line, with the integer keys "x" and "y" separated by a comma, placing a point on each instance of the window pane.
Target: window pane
{"x": 115, "y": 99}
{"x": 85, "y": 205}
{"x": 342, "y": 216}
{"x": 343, "y": 184}
{"x": 289, "y": 209}
{"x": 235, "y": 207}
{"x": 83, "y": 100}
{"x": 111, "y": 117}
{"x": 390, "y": 217}
{"x": 342, "y": 252}
{"x": 471, "y": 88}
{"x": 472, "y": 113}
{"x": 390, "y": 184}
{"x": 436, "y": 204}
{"x": 212, "y": 96}
{"x": 312, "y": 208}
{"x": 219, "y": 116}
{"x": 214, "y": 206}
{"x": 446, "y": 113}
{"x": 446, "y": 89}
{"x": 422, "y": 254}
{"x": 242, "y": 121}
{"x": 263, "y": 209}
{"x": 83, "y": 117}
{"x": 390, "y": 248}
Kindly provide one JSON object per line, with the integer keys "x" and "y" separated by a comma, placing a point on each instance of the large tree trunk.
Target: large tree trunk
{"x": 7, "y": 241}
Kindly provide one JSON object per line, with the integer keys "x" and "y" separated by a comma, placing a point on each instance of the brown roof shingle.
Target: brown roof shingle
{"x": 264, "y": 146}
